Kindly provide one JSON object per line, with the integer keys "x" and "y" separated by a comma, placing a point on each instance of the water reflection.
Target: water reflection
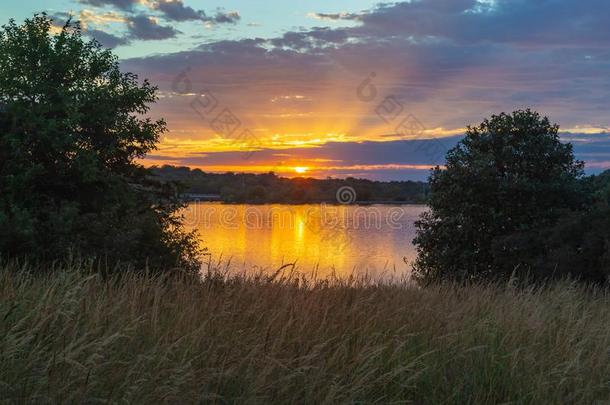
{"x": 342, "y": 238}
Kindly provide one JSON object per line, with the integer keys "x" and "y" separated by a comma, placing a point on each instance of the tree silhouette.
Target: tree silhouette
{"x": 509, "y": 174}
{"x": 72, "y": 126}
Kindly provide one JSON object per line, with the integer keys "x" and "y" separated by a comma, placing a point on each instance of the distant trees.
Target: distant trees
{"x": 511, "y": 198}
{"x": 269, "y": 188}
{"x": 71, "y": 126}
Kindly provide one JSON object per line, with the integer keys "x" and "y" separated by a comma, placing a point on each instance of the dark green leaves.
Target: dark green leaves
{"x": 509, "y": 175}
{"x": 71, "y": 126}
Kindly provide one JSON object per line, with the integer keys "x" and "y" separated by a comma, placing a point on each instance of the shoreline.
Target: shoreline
{"x": 334, "y": 203}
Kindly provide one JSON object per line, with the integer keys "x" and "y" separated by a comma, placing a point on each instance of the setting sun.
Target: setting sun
{"x": 301, "y": 170}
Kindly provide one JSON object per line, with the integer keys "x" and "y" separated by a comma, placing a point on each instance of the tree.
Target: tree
{"x": 71, "y": 128}
{"x": 578, "y": 245}
{"x": 510, "y": 174}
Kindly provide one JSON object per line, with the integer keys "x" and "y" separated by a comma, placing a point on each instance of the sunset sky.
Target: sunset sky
{"x": 352, "y": 88}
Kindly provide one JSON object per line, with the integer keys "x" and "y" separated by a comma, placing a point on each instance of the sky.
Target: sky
{"x": 351, "y": 88}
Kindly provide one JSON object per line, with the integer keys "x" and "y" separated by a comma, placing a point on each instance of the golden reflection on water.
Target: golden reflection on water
{"x": 324, "y": 238}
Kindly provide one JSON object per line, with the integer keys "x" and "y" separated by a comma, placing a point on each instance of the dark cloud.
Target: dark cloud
{"x": 393, "y": 160}
{"x": 447, "y": 85}
{"x": 371, "y": 159}
{"x": 338, "y": 16}
{"x": 383, "y": 160}
{"x": 146, "y": 28}
{"x": 450, "y": 62}
{"x": 172, "y": 10}
{"x": 523, "y": 22}
{"x": 316, "y": 37}
{"x": 177, "y": 11}
{"x": 106, "y": 39}
{"x": 121, "y": 4}
{"x": 341, "y": 154}
{"x": 222, "y": 17}
{"x": 593, "y": 149}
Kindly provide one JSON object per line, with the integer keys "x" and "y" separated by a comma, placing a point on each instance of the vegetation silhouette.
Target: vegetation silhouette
{"x": 513, "y": 200}
{"x": 270, "y": 188}
{"x": 71, "y": 126}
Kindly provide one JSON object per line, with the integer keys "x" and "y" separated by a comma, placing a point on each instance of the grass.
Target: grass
{"x": 72, "y": 336}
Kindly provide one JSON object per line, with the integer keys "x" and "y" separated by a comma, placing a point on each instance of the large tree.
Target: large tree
{"x": 72, "y": 126}
{"x": 510, "y": 174}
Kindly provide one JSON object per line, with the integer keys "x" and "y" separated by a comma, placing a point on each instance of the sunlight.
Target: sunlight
{"x": 301, "y": 169}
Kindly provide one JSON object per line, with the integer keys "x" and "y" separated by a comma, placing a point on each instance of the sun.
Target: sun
{"x": 301, "y": 169}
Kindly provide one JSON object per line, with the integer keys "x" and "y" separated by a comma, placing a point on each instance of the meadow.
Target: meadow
{"x": 72, "y": 335}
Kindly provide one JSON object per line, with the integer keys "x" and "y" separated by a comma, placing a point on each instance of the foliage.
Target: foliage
{"x": 71, "y": 127}
{"x": 509, "y": 176}
{"x": 269, "y": 188}
{"x": 577, "y": 245}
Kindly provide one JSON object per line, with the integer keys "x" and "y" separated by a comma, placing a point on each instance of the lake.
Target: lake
{"x": 345, "y": 239}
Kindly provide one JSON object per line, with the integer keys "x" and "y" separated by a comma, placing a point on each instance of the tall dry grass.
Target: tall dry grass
{"x": 73, "y": 336}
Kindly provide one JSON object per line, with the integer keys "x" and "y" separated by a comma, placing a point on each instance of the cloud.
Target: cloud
{"x": 89, "y": 17}
{"x": 88, "y": 20}
{"x": 336, "y": 16}
{"x": 370, "y": 159}
{"x": 147, "y": 28}
{"x": 222, "y": 17}
{"x": 314, "y": 38}
{"x": 522, "y": 22}
{"x": 170, "y": 10}
{"x": 141, "y": 26}
{"x": 120, "y": 4}
{"x": 106, "y": 39}
{"x": 176, "y": 10}
{"x": 393, "y": 160}
{"x": 450, "y": 63}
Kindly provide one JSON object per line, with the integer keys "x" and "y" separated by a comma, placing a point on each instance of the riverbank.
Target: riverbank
{"x": 71, "y": 336}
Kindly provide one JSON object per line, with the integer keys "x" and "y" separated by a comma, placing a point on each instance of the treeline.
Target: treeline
{"x": 270, "y": 188}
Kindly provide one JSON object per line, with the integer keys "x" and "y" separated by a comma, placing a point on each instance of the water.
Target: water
{"x": 344, "y": 239}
